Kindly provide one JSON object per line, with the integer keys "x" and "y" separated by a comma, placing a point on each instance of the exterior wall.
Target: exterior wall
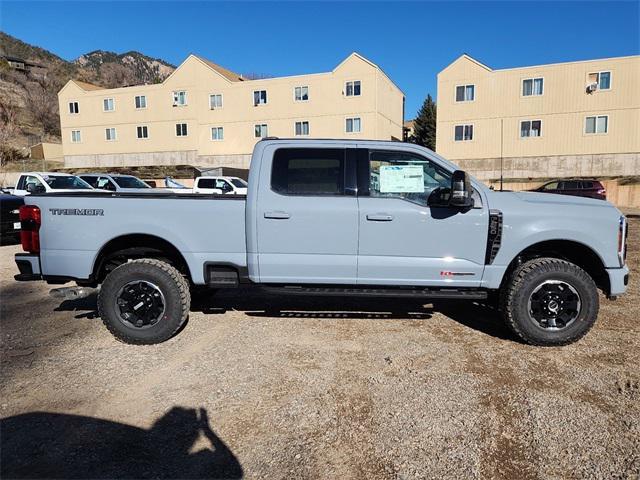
{"x": 379, "y": 107}
{"x": 48, "y": 151}
{"x": 562, "y": 108}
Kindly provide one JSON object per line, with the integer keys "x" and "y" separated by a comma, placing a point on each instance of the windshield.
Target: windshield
{"x": 130, "y": 182}
{"x": 64, "y": 182}
{"x": 238, "y": 182}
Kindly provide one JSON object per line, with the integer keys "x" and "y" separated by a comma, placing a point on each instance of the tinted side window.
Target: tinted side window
{"x": 90, "y": 179}
{"x": 20, "y": 185}
{"x": 570, "y": 185}
{"x": 308, "y": 171}
{"x": 206, "y": 183}
{"x": 587, "y": 184}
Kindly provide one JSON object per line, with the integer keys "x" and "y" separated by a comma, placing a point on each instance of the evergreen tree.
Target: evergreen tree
{"x": 424, "y": 126}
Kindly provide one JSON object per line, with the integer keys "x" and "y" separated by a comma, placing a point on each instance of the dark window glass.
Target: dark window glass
{"x": 459, "y": 132}
{"x": 90, "y": 179}
{"x": 356, "y": 88}
{"x": 587, "y": 184}
{"x": 460, "y": 94}
{"x": 207, "y": 183}
{"x": 130, "y": 182}
{"x": 238, "y": 182}
{"x": 308, "y": 171}
{"x": 570, "y": 185}
{"x": 21, "y": 183}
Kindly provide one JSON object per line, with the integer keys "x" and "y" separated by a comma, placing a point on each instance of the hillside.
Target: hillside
{"x": 28, "y": 101}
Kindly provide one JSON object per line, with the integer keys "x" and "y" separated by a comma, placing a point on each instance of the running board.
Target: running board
{"x": 439, "y": 293}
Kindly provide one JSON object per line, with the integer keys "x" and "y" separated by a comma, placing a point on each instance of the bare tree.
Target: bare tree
{"x": 8, "y": 128}
{"x": 42, "y": 102}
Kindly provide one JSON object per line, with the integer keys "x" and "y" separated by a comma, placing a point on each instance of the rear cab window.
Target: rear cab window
{"x": 308, "y": 171}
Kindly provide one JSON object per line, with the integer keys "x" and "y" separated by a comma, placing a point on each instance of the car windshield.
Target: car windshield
{"x": 130, "y": 182}
{"x": 238, "y": 182}
{"x": 66, "y": 182}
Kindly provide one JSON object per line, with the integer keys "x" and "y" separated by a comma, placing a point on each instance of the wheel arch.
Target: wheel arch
{"x": 120, "y": 249}
{"x": 572, "y": 251}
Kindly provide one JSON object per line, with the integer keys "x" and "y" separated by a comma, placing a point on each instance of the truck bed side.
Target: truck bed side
{"x": 75, "y": 228}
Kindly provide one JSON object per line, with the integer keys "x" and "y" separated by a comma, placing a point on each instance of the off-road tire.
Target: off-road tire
{"x": 523, "y": 281}
{"x": 175, "y": 290}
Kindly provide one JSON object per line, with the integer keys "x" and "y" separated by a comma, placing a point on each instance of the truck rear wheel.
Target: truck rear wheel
{"x": 144, "y": 302}
{"x": 550, "y": 302}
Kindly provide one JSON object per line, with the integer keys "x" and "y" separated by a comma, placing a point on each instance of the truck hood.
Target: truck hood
{"x": 554, "y": 199}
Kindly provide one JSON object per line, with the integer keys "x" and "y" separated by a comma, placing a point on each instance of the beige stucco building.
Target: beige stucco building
{"x": 204, "y": 114}
{"x": 566, "y": 119}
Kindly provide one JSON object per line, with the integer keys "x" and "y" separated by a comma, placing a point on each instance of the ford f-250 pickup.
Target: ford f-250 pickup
{"x": 334, "y": 217}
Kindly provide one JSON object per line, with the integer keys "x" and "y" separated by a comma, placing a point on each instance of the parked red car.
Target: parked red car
{"x": 579, "y": 188}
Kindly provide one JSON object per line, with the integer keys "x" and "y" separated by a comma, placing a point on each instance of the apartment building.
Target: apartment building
{"x": 566, "y": 119}
{"x": 206, "y": 115}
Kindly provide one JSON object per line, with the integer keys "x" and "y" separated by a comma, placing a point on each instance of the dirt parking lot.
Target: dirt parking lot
{"x": 264, "y": 387}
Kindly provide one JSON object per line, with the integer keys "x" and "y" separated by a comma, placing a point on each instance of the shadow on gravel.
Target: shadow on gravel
{"x": 253, "y": 303}
{"x": 51, "y": 445}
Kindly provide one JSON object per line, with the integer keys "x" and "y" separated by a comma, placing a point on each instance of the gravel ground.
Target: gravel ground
{"x": 276, "y": 387}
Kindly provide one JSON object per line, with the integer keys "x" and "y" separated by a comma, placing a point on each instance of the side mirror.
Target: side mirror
{"x": 461, "y": 190}
{"x": 35, "y": 188}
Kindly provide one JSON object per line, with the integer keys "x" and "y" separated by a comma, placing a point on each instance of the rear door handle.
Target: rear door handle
{"x": 277, "y": 215}
{"x": 379, "y": 217}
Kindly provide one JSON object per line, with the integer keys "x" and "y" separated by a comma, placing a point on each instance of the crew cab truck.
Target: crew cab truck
{"x": 334, "y": 217}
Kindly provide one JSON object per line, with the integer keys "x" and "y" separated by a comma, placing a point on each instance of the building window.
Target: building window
{"x": 352, "y": 89}
{"x": 217, "y": 133}
{"x": 75, "y": 136}
{"x": 74, "y": 107}
{"x": 142, "y": 131}
{"x": 302, "y": 128}
{"x": 108, "y": 105}
{"x": 532, "y": 87}
{"x": 530, "y": 128}
{"x": 261, "y": 131}
{"x": 353, "y": 125}
{"x": 463, "y": 133}
{"x": 215, "y": 101}
{"x": 601, "y": 79}
{"x": 301, "y": 94}
{"x": 465, "y": 93}
{"x": 110, "y": 134}
{"x": 597, "y": 124}
{"x": 181, "y": 129}
{"x": 141, "y": 101}
{"x": 259, "y": 97}
{"x": 179, "y": 98}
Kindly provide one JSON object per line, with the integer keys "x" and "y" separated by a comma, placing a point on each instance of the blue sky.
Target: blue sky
{"x": 411, "y": 41}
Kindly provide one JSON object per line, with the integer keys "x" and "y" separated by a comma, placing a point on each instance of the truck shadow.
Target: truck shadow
{"x": 253, "y": 303}
{"x": 52, "y": 445}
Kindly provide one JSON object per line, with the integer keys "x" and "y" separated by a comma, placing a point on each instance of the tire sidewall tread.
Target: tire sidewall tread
{"x": 174, "y": 288}
{"x": 525, "y": 278}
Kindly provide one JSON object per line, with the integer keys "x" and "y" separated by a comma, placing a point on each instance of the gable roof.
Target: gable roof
{"x": 87, "y": 86}
{"x": 226, "y": 73}
{"x": 468, "y": 58}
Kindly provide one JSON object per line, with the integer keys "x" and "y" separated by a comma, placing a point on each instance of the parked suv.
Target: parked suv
{"x": 579, "y": 188}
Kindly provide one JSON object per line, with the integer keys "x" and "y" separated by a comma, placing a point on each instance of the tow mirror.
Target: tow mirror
{"x": 461, "y": 190}
{"x": 34, "y": 188}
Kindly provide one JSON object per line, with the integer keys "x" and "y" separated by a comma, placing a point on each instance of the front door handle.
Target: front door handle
{"x": 277, "y": 215}
{"x": 379, "y": 217}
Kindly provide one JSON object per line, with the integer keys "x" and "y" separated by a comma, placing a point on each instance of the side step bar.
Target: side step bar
{"x": 431, "y": 292}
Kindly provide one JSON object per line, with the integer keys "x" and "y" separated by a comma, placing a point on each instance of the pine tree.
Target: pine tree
{"x": 424, "y": 126}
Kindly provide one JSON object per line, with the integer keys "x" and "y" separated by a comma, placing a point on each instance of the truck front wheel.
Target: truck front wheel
{"x": 550, "y": 302}
{"x": 144, "y": 301}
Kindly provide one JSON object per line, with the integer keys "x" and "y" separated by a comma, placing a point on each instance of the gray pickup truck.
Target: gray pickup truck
{"x": 334, "y": 217}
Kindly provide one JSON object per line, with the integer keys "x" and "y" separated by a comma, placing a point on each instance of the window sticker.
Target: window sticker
{"x": 402, "y": 179}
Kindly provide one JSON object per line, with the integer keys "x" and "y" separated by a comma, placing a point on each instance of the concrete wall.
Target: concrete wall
{"x": 560, "y": 166}
{"x": 379, "y": 107}
{"x": 622, "y": 196}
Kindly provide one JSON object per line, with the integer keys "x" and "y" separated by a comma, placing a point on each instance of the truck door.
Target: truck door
{"x": 402, "y": 240}
{"x": 306, "y": 218}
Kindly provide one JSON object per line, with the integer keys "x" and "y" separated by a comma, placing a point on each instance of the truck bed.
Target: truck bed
{"x": 76, "y": 226}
